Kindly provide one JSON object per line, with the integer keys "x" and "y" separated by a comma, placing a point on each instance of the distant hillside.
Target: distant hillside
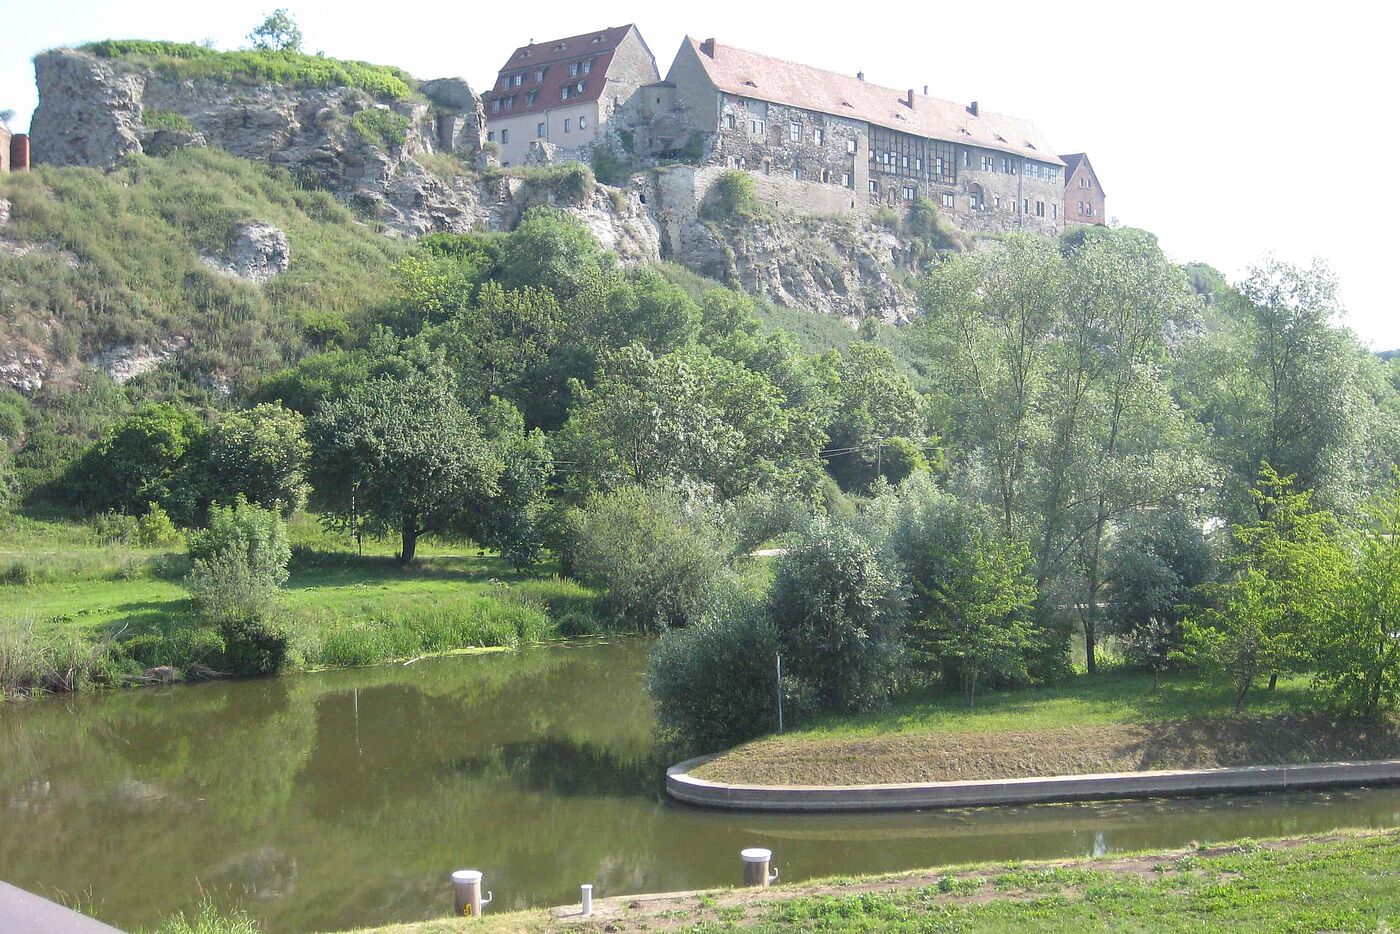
{"x": 120, "y": 269}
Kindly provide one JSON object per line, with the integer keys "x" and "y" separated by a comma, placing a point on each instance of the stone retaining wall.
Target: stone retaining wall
{"x": 681, "y": 785}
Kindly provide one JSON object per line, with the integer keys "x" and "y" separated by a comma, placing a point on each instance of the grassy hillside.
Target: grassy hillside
{"x": 113, "y": 259}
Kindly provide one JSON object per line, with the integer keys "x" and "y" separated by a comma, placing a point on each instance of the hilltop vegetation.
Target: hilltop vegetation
{"x": 288, "y": 67}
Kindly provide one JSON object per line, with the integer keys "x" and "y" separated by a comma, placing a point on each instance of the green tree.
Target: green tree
{"x": 143, "y": 458}
{"x": 838, "y": 607}
{"x": 401, "y": 455}
{"x": 872, "y": 402}
{"x": 239, "y": 564}
{"x": 970, "y": 606}
{"x": 1358, "y": 659}
{"x": 510, "y": 520}
{"x": 1269, "y": 617}
{"x": 652, "y": 554}
{"x": 714, "y": 682}
{"x": 278, "y": 33}
{"x": 1154, "y": 564}
{"x": 260, "y": 454}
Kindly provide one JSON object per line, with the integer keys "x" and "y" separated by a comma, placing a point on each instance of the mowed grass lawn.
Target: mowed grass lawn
{"x": 1109, "y": 722}
{"x": 342, "y": 607}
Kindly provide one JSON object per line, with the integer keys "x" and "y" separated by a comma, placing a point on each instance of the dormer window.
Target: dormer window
{"x": 539, "y": 75}
{"x": 519, "y": 79}
{"x": 530, "y": 98}
{"x": 573, "y": 70}
{"x": 586, "y": 67}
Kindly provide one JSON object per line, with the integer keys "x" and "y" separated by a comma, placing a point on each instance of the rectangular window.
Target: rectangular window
{"x": 797, "y": 173}
{"x": 904, "y": 162}
{"x": 729, "y": 121}
{"x": 909, "y": 193}
{"x": 573, "y": 70}
{"x": 846, "y": 180}
{"x": 986, "y": 163}
{"x": 539, "y": 76}
{"x": 919, "y": 164}
{"x": 568, "y": 124}
{"x": 505, "y": 136}
{"x": 491, "y": 138}
{"x": 874, "y": 187}
{"x": 496, "y": 106}
{"x": 996, "y": 202}
{"x": 819, "y": 136}
{"x": 794, "y": 132}
{"x": 1040, "y": 209}
{"x": 947, "y": 199}
{"x": 1054, "y": 212}
{"x": 587, "y": 67}
{"x": 852, "y": 145}
{"x": 530, "y": 98}
{"x": 564, "y": 93}
{"x": 539, "y": 130}
{"x": 1025, "y": 205}
{"x": 967, "y": 158}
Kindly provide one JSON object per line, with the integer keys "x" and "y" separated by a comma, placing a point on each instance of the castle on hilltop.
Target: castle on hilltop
{"x": 815, "y": 141}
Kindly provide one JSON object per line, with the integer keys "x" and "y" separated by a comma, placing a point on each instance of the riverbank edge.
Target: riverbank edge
{"x": 675, "y": 910}
{"x": 683, "y": 786}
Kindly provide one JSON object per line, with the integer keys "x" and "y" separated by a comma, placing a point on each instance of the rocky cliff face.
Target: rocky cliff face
{"x": 94, "y": 111}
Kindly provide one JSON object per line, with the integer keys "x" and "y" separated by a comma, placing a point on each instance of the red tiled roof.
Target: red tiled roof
{"x": 554, "y": 57}
{"x": 762, "y": 77}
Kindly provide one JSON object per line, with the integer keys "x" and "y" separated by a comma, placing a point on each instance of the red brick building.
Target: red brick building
{"x": 1084, "y": 196}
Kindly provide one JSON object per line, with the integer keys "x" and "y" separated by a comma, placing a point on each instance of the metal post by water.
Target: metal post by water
{"x": 466, "y": 891}
{"x": 756, "y": 873}
{"x": 586, "y": 898}
{"x": 780, "y": 694}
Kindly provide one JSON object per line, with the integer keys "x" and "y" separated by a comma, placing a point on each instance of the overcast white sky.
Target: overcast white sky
{"x": 1230, "y": 129}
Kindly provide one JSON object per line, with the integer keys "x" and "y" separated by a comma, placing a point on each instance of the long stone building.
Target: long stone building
{"x": 563, "y": 92}
{"x": 815, "y": 141}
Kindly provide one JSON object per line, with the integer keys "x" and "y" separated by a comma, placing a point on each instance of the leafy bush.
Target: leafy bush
{"x": 142, "y": 459}
{"x": 838, "y": 608}
{"x": 239, "y": 563}
{"x": 381, "y": 126}
{"x": 285, "y": 67}
{"x": 609, "y": 168}
{"x": 114, "y": 527}
{"x": 166, "y": 120}
{"x": 732, "y": 196}
{"x": 155, "y": 528}
{"x": 651, "y": 555}
{"x": 18, "y": 574}
{"x": 714, "y": 682}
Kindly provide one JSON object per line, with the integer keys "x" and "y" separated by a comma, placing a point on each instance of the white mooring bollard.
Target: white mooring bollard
{"x": 586, "y": 898}
{"x": 756, "y": 860}
{"x": 466, "y": 891}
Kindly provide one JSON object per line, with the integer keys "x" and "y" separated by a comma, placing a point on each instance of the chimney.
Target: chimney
{"x": 972, "y": 108}
{"x": 708, "y": 47}
{"x": 19, "y": 152}
{"x": 910, "y": 99}
{"x": 860, "y": 76}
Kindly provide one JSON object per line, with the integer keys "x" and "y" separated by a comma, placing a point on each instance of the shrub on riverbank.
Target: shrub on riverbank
{"x": 651, "y": 554}
{"x": 715, "y": 681}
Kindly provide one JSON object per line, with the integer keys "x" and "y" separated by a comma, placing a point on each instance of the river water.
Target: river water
{"x": 343, "y": 799}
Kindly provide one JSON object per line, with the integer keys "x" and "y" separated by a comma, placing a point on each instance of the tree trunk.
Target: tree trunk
{"x": 1273, "y": 680}
{"x": 1090, "y": 638}
{"x": 1239, "y": 698}
{"x": 410, "y": 540}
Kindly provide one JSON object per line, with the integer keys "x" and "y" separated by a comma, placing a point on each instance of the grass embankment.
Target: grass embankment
{"x": 1107, "y": 723}
{"x": 342, "y": 608}
{"x": 1341, "y": 882}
